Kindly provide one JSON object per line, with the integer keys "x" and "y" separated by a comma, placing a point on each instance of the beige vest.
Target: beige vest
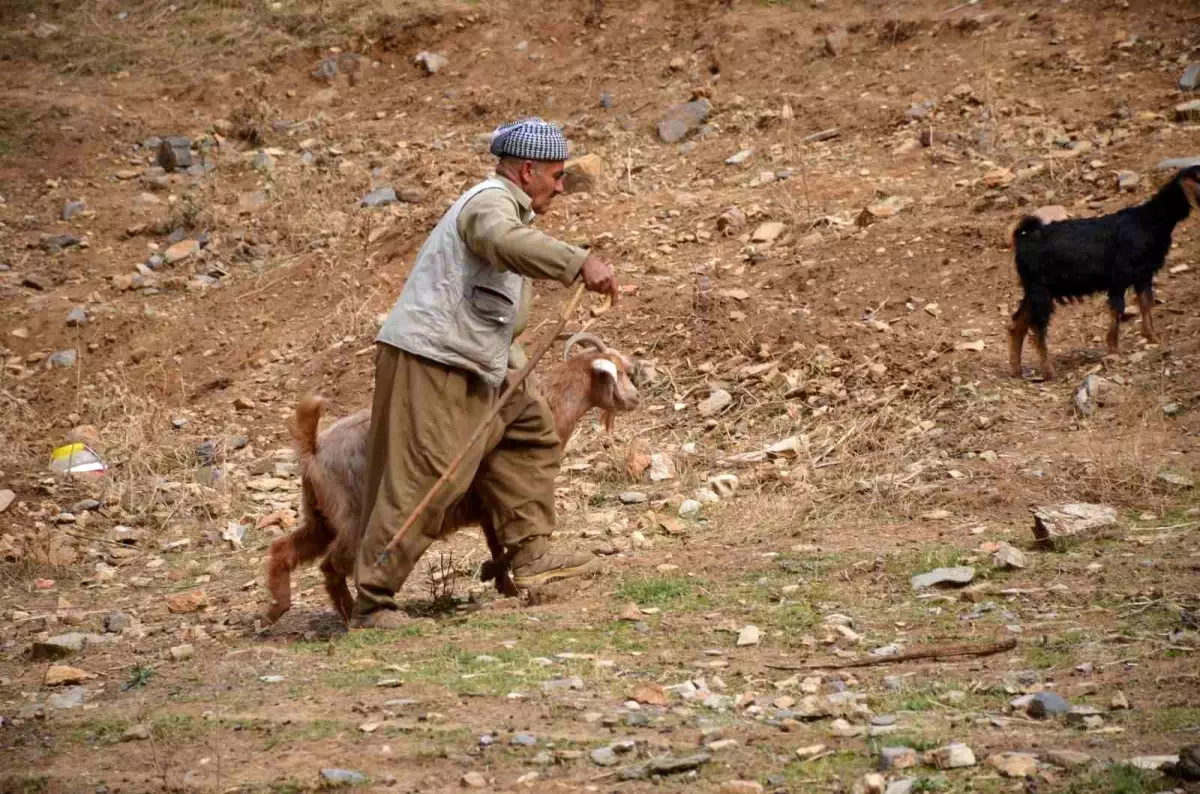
{"x": 456, "y": 308}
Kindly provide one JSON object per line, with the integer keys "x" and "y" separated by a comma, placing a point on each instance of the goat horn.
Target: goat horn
{"x": 585, "y": 338}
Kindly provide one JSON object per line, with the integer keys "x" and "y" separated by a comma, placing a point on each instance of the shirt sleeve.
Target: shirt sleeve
{"x": 491, "y": 227}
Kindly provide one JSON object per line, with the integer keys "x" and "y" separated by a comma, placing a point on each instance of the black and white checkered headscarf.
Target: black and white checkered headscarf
{"x": 530, "y": 139}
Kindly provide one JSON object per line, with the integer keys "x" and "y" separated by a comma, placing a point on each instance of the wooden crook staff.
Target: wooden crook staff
{"x": 935, "y": 652}
{"x": 568, "y": 310}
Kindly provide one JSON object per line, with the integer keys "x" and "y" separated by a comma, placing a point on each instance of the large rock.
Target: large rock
{"x": 952, "y": 756}
{"x": 58, "y": 647}
{"x": 681, "y": 120}
{"x": 583, "y": 174}
{"x": 1190, "y": 79}
{"x": 664, "y": 766}
{"x": 954, "y": 577}
{"x": 1066, "y": 520}
{"x": 1047, "y": 704}
{"x": 1014, "y": 764}
{"x": 431, "y": 62}
{"x": 175, "y": 153}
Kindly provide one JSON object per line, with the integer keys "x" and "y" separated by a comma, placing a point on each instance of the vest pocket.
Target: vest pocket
{"x": 491, "y": 305}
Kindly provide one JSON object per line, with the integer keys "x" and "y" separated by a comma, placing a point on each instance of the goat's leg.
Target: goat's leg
{"x": 1016, "y": 336}
{"x": 1041, "y": 307}
{"x": 1145, "y": 296}
{"x": 1116, "y": 308}
{"x": 335, "y": 585}
{"x": 287, "y": 553}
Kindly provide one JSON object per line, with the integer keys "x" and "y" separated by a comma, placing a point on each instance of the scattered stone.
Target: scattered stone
{"x": 739, "y": 158}
{"x": 902, "y": 786}
{"x": 58, "y": 647}
{"x": 379, "y": 197}
{"x": 77, "y": 317}
{"x": 956, "y": 577}
{"x": 117, "y": 622}
{"x": 263, "y": 161}
{"x": 192, "y": 601}
{"x": 1188, "y": 765}
{"x": 562, "y": 685}
{"x": 835, "y": 41}
{"x": 63, "y": 359}
{"x": 662, "y": 467}
{"x": 651, "y": 694}
{"x": 1171, "y": 409}
{"x": 59, "y": 674}
{"x": 716, "y": 401}
{"x": 431, "y": 62}
{"x": 6, "y": 499}
{"x": 71, "y": 209}
{"x": 731, "y": 220}
{"x": 1175, "y": 480}
{"x": 583, "y": 174}
{"x": 411, "y": 195}
{"x": 683, "y": 119}
{"x": 342, "y": 777}
{"x": 135, "y": 733}
{"x": 664, "y": 766}
{"x": 952, "y": 756}
{"x": 741, "y": 787}
{"x": 809, "y": 752}
{"x": 749, "y": 635}
{"x": 1119, "y": 702}
{"x": 1067, "y": 759}
{"x": 1014, "y": 764}
{"x": 180, "y": 251}
{"x": 474, "y": 780}
{"x": 1187, "y": 111}
{"x": 1127, "y": 180}
{"x": 1177, "y": 163}
{"x": 70, "y": 699}
{"x": 523, "y": 740}
{"x": 689, "y": 508}
{"x": 604, "y": 756}
{"x": 1008, "y": 556}
{"x": 1153, "y": 763}
{"x": 182, "y": 652}
{"x": 175, "y": 153}
{"x": 631, "y": 497}
{"x": 897, "y": 758}
{"x": 1047, "y": 704}
{"x": 1083, "y": 716}
{"x": 1095, "y": 391}
{"x": 767, "y": 232}
{"x": 1190, "y": 79}
{"x": 1065, "y": 520}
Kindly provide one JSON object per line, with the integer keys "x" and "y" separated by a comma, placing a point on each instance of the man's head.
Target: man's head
{"x": 532, "y": 153}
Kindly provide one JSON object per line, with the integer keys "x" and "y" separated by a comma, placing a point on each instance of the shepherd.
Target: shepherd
{"x": 442, "y": 358}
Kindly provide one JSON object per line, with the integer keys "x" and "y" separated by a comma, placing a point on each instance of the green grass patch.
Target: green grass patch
{"x": 845, "y": 766}
{"x": 657, "y": 591}
{"x": 100, "y": 730}
{"x": 1173, "y": 719}
{"x": 1117, "y": 779}
{"x": 177, "y": 728}
{"x": 315, "y": 731}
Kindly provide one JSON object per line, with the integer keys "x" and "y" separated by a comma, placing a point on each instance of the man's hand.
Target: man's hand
{"x": 598, "y": 277}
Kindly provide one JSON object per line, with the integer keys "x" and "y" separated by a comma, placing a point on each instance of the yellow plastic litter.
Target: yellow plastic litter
{"x": 76, "y": 459}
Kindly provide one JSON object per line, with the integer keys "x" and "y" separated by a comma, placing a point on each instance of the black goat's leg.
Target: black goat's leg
{"x": 1116, "y": 307}
{"x": 1016, "y": 337}
{"x": 497, "y": 567}
{"x": 1145, "y": 296}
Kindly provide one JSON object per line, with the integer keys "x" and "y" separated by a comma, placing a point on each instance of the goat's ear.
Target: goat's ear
{"x": 605, "y": 366}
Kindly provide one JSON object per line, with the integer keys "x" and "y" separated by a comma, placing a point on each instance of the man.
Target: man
{"x": 442, "y": 358}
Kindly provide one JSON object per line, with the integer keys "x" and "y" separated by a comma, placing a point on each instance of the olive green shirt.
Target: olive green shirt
{"x": 495, "y": 225}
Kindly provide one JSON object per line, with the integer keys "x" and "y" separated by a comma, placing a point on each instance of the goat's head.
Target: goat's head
{"x": 612, "y": 389}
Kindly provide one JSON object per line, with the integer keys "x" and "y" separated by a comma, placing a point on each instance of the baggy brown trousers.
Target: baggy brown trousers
{"x": 422, "y": 415}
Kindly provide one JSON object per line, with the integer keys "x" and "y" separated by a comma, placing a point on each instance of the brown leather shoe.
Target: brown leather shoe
{"x": 381, "y": 619}
{"x": 551, "y": 567}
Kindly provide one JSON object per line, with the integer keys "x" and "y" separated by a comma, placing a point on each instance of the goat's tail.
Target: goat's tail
{"x": 1026, "y": 226}
{"x": 304, "y": 429}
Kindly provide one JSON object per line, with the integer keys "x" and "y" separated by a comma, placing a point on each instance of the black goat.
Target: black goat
{"x": 1068, "y": 260}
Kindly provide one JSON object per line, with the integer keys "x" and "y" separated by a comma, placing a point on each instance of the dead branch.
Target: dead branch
{"x": 934, "y": 652}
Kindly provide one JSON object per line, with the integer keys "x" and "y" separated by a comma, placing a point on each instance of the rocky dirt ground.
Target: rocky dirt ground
{"x": 817, "y": 270}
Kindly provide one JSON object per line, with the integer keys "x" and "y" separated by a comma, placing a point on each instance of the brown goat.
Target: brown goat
{"x": 333, "y": 466}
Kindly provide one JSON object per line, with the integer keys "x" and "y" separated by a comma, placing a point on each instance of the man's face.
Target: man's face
{"x": 542, "y": 182}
